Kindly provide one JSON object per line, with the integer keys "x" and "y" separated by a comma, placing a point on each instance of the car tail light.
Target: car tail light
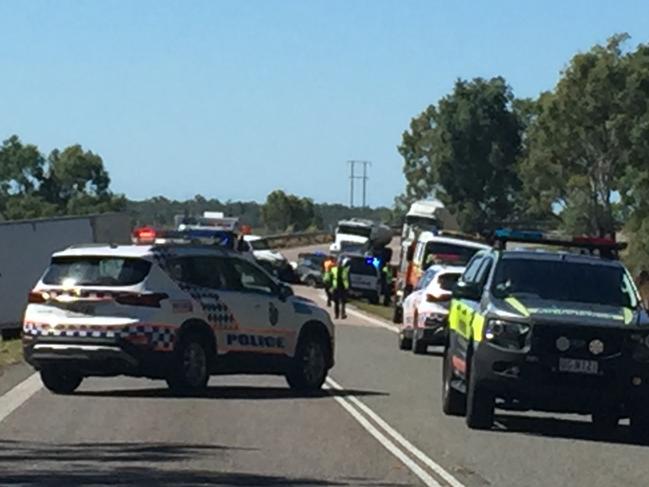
{"x": 36, "y": 297}
{"x": 144, "y": 235}
{"x": 438, "y": 298}
{"x": 151, "y": 300}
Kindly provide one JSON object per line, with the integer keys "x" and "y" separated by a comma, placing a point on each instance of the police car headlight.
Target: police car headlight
{"x": 507, "y": 334}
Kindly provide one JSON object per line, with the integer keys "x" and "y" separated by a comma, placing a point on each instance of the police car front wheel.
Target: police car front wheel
{"x": 59, "y": 380}
{"x": 309, "y": 368}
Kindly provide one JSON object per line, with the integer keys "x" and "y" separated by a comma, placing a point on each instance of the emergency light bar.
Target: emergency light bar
{"x": 147, "y": 235}
{"x": 373, "y": 261}
{"x": 608, "y": 248}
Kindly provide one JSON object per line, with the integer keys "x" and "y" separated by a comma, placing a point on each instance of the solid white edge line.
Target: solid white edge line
{"x": 18, "y": 395}
{"x": 434, "y": 466}
{"x": 374, "y": 321}
{"x": 427, "y": 479}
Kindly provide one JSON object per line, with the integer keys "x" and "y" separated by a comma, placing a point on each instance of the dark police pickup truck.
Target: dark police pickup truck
{"x": 548, "y": 329}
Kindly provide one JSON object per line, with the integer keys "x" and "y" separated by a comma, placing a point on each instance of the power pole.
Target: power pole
{"x": 351, "y": 183}
{"x": 352, "y": 177}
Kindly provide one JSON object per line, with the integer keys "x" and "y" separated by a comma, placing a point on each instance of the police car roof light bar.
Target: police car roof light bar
{"x": 147, "y": 235}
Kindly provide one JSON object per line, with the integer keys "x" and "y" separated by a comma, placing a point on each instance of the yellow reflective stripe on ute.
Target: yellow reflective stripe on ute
{"x": 628, "y": 316}
{"x": 454, "y": 316}
{"x": 517, "y": 305}
{"x": 478, "y": 327}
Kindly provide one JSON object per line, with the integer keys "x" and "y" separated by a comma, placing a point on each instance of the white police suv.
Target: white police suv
{"x": 173, "y": 311}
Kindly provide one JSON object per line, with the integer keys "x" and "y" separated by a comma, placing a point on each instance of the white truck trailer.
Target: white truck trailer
{"x": 27, "y": 245}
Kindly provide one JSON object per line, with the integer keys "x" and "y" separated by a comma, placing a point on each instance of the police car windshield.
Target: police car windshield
{"x": 359, "y": 265}
{"x": 555, "y": 280}
{"x": 260, "y": 244}
{"x": 96, "y": 271}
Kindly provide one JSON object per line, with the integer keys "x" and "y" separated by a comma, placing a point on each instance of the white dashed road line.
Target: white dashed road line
{"x": 405, "y": 451}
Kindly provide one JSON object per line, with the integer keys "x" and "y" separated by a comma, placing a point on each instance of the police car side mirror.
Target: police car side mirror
{"x": 467, "y": 290}
{"x": 285, "y": 292}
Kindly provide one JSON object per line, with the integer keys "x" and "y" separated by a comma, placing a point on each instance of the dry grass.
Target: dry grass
{"x": 385, "y": 312}
{"x": 11, "y": 352}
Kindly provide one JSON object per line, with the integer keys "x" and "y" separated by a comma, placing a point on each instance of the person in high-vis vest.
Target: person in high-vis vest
{"x": 340, "y": 286}
{"x": 326, "y": 279}
{"x": 386, "y": 284}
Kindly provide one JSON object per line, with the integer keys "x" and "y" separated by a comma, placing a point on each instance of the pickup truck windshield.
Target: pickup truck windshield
{"x": 441, "y": 252}
{"x": 564, "y": 281}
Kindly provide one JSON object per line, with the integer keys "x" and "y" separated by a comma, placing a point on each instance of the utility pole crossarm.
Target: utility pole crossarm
{"x": 364, "y": 178}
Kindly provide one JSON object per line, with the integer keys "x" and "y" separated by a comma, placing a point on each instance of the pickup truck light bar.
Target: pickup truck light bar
{"x": 607, "y": 248}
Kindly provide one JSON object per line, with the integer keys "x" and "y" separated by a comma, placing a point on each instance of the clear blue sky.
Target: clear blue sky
{"x": 235, "y": 99}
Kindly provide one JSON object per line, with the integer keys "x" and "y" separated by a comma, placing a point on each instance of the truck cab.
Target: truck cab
{"x": 356, "y": 235}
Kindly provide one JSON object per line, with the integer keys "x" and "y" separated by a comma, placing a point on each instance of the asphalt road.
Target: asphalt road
{"x": 380, "y": 423}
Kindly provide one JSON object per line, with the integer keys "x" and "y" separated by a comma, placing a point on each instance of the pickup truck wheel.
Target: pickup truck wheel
{"x": 190, "y": 371}
{"x": 310, "y": 281}
{"x": 418, "y": 347}
{"x": 640, "y": 426}
{"x": 397, "y": 316}
{"x": 59, "y": 380}
{"x": 453, "y": 401}
{"x": 308, "y": 369}
{"x": 480, "y": 406}
{"x": 404, "y": 343}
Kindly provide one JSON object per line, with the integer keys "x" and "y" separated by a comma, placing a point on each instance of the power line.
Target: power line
{"x": 353, "y": 176}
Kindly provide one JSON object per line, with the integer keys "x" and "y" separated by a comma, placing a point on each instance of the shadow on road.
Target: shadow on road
{"x": 42, "y": 463}
{"x": 563, "y": 428}
{"x": 231, "y": 392}
{"x": 119, "y": 452}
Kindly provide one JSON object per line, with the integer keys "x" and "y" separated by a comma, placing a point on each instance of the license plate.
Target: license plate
{"x": 77, "y": 309}
{"x": 578, "y": 366}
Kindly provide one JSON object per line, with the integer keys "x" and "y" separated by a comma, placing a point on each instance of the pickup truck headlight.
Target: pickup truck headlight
{"x": 507, "y": 334}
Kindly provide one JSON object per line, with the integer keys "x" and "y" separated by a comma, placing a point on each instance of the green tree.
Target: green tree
{"x": 287, "y": 212}
{"x": 634, "y": 201}
{"x": 465, "y": 151}
{"x": 77, "y": 182}
{"x": 68, "y": 182}
{"x": 578, "y": 145}
{"x": 21, "y": 174}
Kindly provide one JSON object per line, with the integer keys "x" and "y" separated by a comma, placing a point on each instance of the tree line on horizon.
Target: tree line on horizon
{"x": 574, "y": 159}
{"x": 74, "y": 181}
